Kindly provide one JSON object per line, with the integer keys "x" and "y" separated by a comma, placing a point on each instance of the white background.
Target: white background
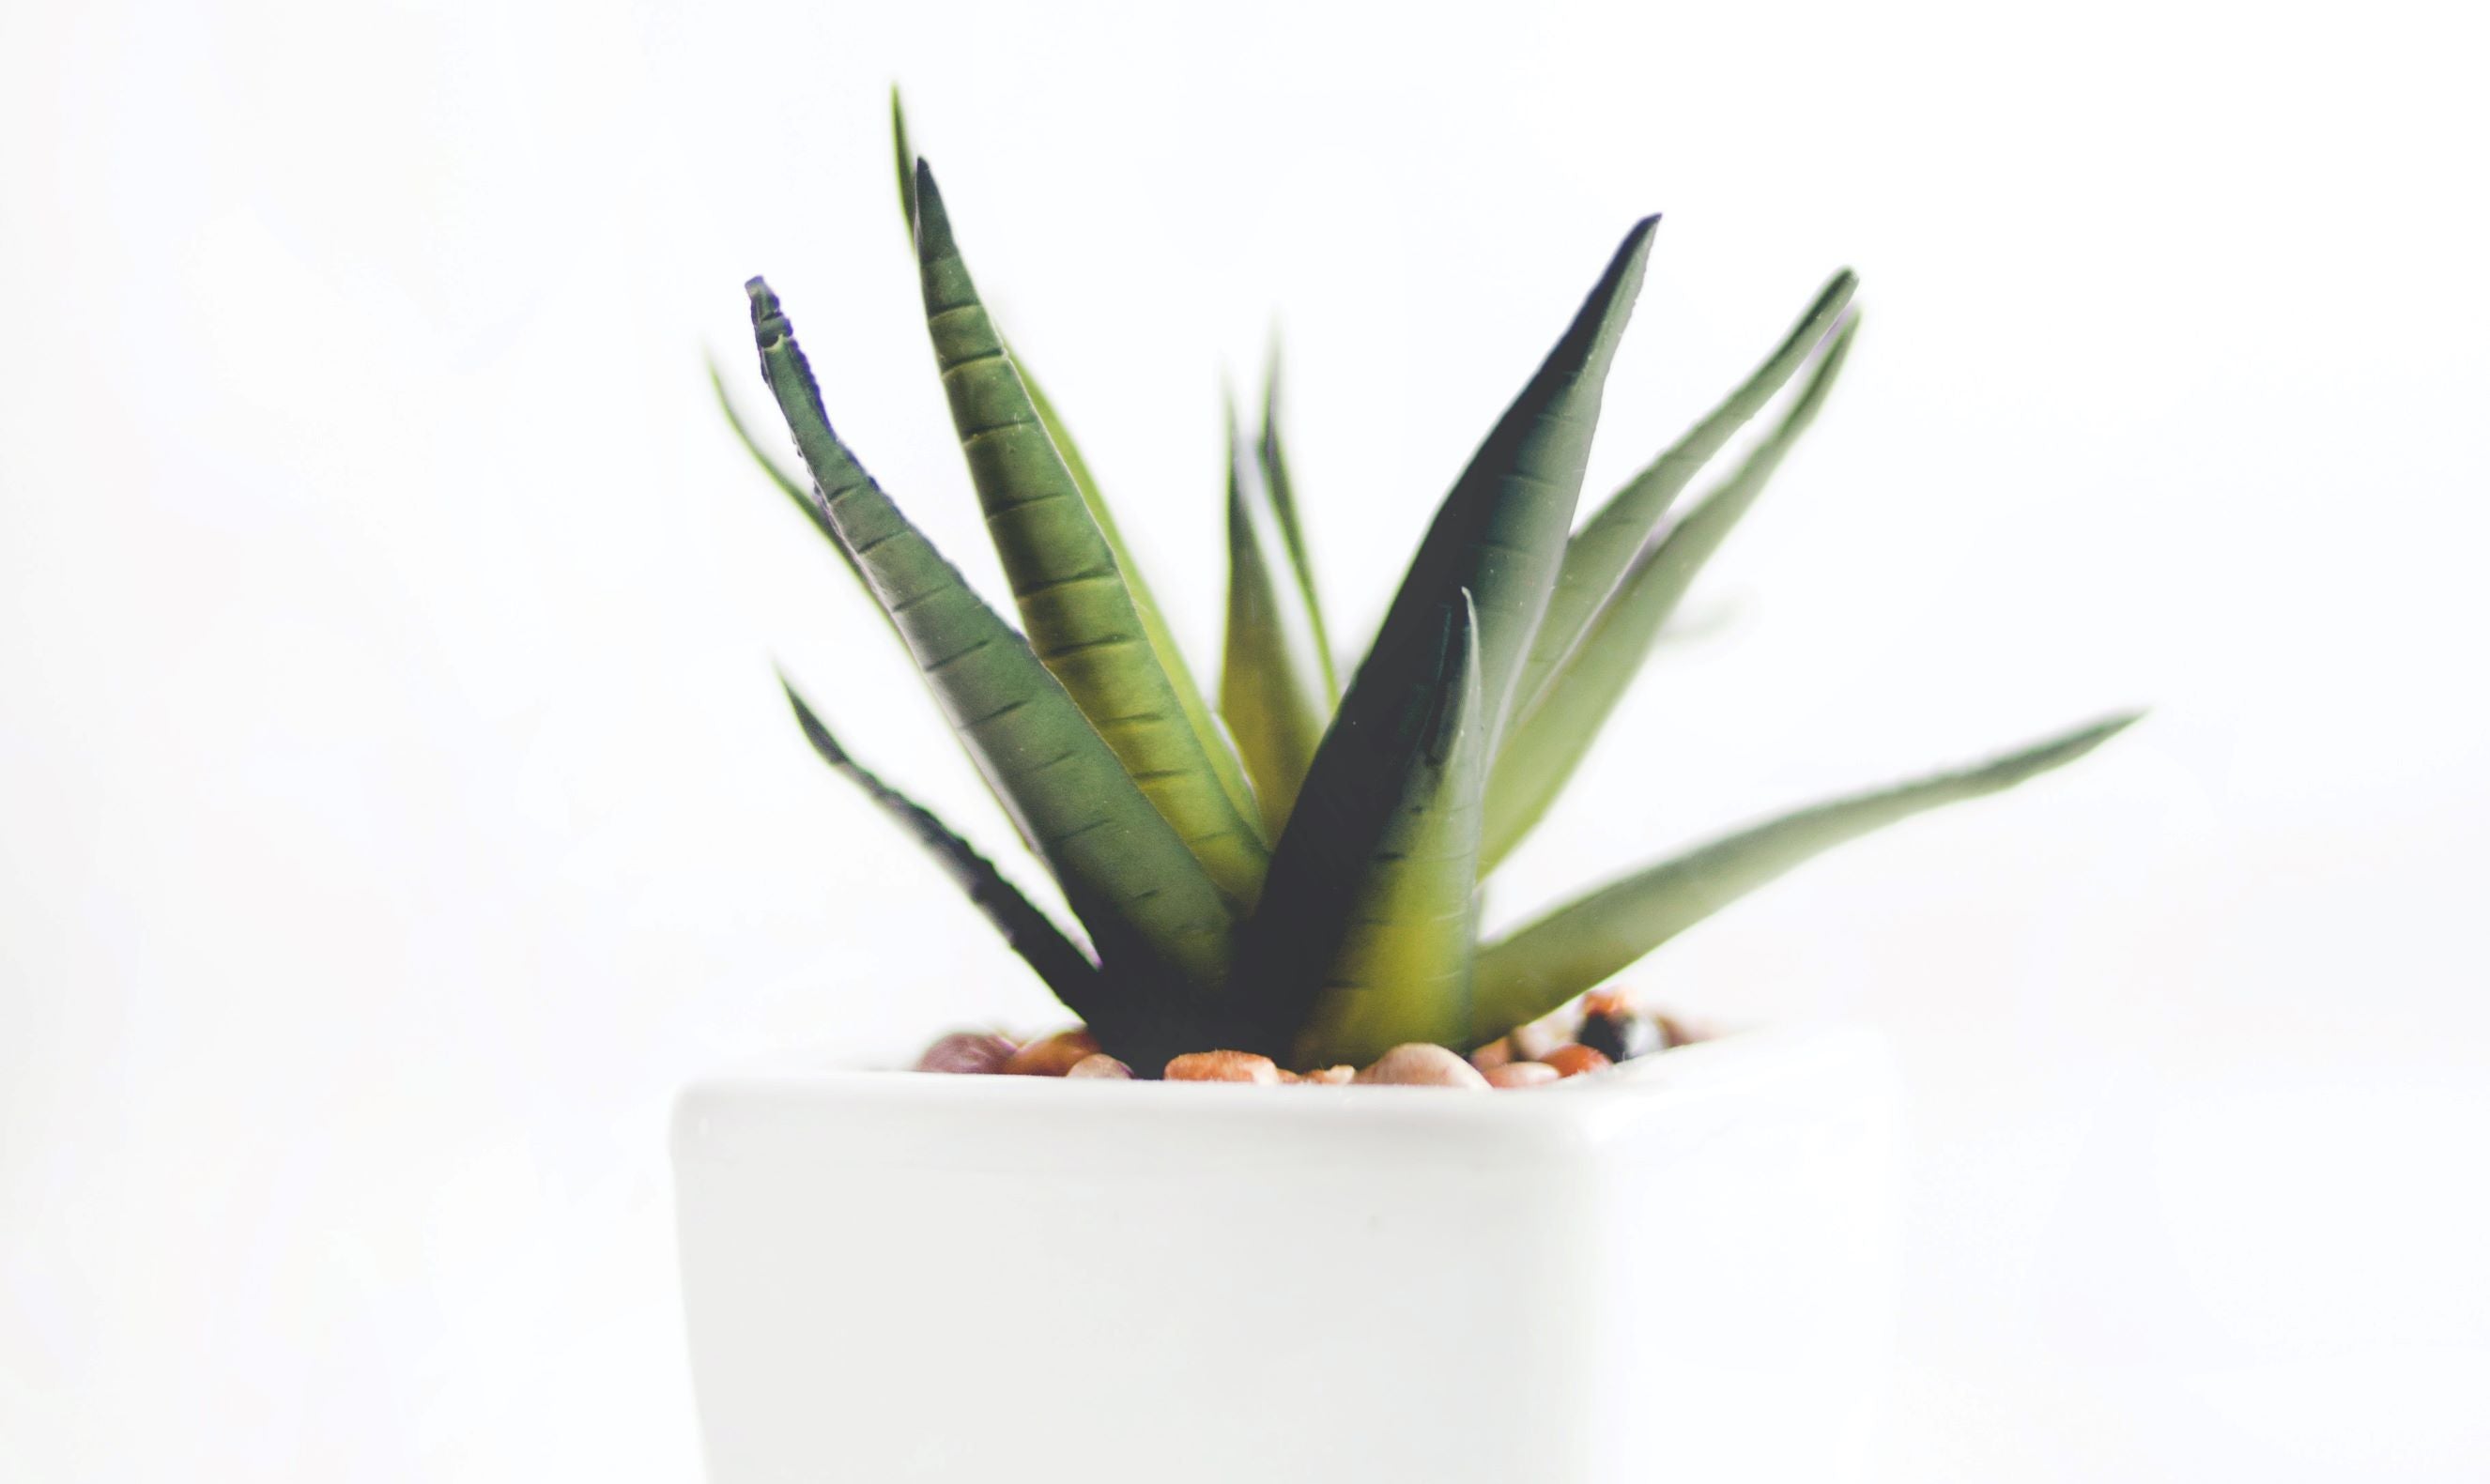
{"x": 395, "y": 803}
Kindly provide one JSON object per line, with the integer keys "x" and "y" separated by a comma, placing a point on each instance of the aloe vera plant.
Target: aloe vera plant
{"x": 1299, "y": 877}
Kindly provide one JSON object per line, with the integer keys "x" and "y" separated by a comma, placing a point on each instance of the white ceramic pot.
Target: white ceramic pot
{"x": 1679, "y": 1270}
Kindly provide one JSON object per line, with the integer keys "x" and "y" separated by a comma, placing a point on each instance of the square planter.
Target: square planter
{"x": 1681, "y": 1271}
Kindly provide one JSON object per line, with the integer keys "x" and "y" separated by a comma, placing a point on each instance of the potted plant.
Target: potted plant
{"x": 1630, "y": 1265}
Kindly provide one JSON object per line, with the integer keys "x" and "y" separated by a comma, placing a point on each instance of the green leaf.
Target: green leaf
{"x": 1163, "y": 644}
{"x": 1073, "y": 596}
{"x": 907, "y": 156}
{"x": 1271, "y": 688}
{"x": 1600, "y": 554}
{"x": 1196, "y": 712}
{"x": 1360, "y": 867}
{"x": 1274, "y": 462}
{"x": 1149, "y": 904}
{"x": 798, "y": 492}
{"x": 1554, "y": 733}
{"x": 1501, "y": 532}
{"x": 1536, "y": 970}
{"x": 1030, "y": 933}
{"x": 1401, "y": 971}
{"x": 1497, "y": 539}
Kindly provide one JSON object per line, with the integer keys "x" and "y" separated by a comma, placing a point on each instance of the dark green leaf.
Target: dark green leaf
{"x": 1498, "y": 539}
{"x": 1074, "y": 600}
{"x": 1030, "y": 933}
{"x": 1501, "y": 532}
{"x": 1122, "y": 867}
{"x": 798, "y": 492}
{"x": 1600, "y": 554}
{"x": 1163, "y": 644}
{"x": 1536, "y": 970}
{"x": 1196, "y": 712}
{"x": 1402, "y": 970}
{"x": 1553, "y": 734}
{"x": 1333, "y": 902}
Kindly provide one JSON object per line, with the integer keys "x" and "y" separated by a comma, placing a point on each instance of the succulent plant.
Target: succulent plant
{"x": 1296, "y": 872}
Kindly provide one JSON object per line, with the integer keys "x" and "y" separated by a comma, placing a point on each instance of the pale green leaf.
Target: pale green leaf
{"x": 1273, "y": 458}
{"x": 1599, "y": 554}
{"x": 1271, "y": 685}
{"x": 1553, "y": 734}
{"x": 1538, "y": 969}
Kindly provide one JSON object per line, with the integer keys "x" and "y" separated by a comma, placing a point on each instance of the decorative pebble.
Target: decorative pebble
{"x": 1612, "y": 1028}
{"x": 968, "y": 1051}
{"x": 1101, "y": 1065}
{"x": 1522, "y": 1075}
{"x": 1675, "y": 1032}
{"x": 1223, "y": 1066}
{"x": 1329, "y": 1077}
{"x": 1575, "y": 1060}
{"x": 1052, "y": 1057}
{"x": 1495, "y": 1053}
{"x": 1533, "y": 1041}
{"x": 1420, "y": 1065}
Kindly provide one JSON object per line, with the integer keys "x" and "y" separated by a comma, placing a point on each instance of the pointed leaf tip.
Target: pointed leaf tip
{"x": 927, "y": 199}
{"x": 814, "y": 732}
{"x": 1532, "y": 971}
{"x": 906, "y": 158}
{"x": 1082, "y": 612}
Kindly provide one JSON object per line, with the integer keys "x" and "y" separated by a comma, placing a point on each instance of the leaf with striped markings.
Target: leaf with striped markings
{"x": 798, "y": 492}
{"x": 1078, "y": 609}
{"x": 1150, "y": 909}
{"x": 1188, "y": 694}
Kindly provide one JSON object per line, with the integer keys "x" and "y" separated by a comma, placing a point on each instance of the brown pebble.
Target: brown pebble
{"x": 1052, "y": 1056}
{"x": 1611, "y": 1001}
{"x": 1330, "y": 1076}
{"x": 1101, "y": 1065}
{"x": 1675, "y": 1032}
{"x": 1421, "y": 1065}
{"x": 1572, "y": 1061}
{"x": 1495, "y": 1053}
{"x": 1522, "y": 1075}
{"x": 1223, "y": 1066}
{"x": 968, "y": 1051}
{"x": 1533, "y": 1041}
